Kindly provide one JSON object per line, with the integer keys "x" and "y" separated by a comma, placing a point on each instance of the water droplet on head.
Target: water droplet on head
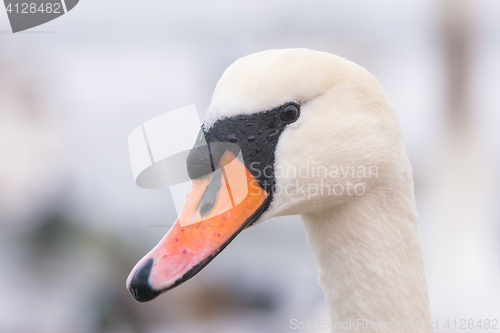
{"x": 273, "y": 134}
{"x": 232, "y": 138}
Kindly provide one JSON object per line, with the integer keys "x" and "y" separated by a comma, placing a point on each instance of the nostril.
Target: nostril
{"x": 139, "y": 285}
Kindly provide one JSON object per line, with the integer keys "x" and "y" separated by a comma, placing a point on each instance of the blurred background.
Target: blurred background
{"x": 73, "y": 223}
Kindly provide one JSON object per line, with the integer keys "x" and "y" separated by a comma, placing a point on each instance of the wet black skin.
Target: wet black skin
{"x": 256, "y": 136}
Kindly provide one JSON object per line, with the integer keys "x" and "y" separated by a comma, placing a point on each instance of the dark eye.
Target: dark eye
{"x": 290, "y": 112}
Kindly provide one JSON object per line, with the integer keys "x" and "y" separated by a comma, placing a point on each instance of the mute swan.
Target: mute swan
{"x": 292, "y": 109}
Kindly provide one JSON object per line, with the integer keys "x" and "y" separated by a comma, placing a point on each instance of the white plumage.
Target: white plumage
{"x": 366, "y": 247}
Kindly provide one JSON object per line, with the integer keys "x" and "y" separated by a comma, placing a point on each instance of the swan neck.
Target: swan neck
{"x": 370, "y": 262}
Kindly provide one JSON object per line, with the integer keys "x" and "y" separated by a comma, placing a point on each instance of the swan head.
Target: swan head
{"x": 313, "y": 130}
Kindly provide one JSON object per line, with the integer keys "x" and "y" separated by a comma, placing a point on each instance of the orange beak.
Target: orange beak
{"x": 217, "y": 208}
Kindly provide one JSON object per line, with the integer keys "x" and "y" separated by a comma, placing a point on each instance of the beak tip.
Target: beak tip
{"x": 142, "y": 294}
{"x": 139, "y": 286}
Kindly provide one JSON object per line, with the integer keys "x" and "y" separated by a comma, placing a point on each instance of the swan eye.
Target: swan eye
{"x": 290, "y": 112}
